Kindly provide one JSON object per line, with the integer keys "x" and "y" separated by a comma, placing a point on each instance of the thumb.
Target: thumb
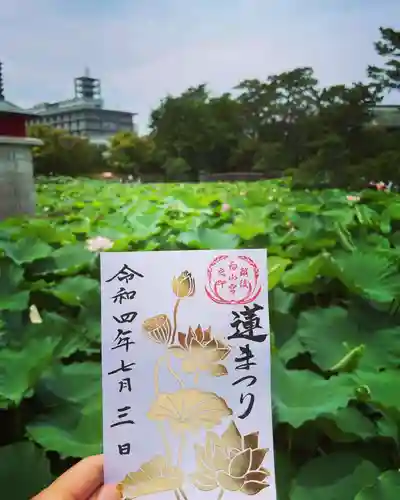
{"x": 107, "y": 492}
{"x": 79, "y": 482}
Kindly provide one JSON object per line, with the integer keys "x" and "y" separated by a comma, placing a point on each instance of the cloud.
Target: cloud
{"x": 143, "y": 50}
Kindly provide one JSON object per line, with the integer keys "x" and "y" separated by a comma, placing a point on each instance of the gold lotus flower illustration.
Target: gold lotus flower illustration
{"x": 231, "y": 462}
{"x": 200, "y": 352}
{"x": 155, "y": 476}
{"x": 158, "y": 328}
{"x": 189, "y": 410}
{"x": 184, "y": 285}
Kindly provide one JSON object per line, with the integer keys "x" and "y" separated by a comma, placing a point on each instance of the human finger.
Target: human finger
{"x": 106, "y": 492}
{"x": 79, "y": 482}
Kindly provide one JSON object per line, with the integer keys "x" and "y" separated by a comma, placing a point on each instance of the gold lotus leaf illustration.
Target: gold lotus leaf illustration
{"x": 155, "y": 476}
{"x": 158, "y": 328}
{"x": 183, "y": 285}
{"x": 200, "y": 352}
{"x": 231, "y": 462}
{"x": 189, "y": 410}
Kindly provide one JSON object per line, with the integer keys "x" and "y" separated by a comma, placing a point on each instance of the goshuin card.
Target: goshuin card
{"x": 186, "y": 375}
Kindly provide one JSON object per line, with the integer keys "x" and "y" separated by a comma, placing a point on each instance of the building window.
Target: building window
{"x": 110, "y": 126}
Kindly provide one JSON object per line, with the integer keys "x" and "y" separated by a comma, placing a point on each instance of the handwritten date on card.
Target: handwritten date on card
{"x": 224, "y": 459}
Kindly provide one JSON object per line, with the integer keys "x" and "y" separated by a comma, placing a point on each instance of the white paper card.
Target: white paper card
{"x": 186, "y": 374}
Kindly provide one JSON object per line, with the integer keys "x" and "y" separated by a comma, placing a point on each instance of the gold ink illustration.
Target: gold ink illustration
{"x": 189, "y": 410}
{"x": 230, "y": 462}
{"x": 155, "y": 476}
{"x": 200, "y": 352}
{"x": 183, "y": 286}
{"x": 159, "y": 328}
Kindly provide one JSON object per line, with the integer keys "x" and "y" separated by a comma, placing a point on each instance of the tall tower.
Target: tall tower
{"x": 86, "y": 87}
{"x": 1, "y": 82}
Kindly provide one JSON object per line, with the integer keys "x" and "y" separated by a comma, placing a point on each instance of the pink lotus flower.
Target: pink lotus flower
{"x": 225, "y": 207}
{"x": 351, "y": 197}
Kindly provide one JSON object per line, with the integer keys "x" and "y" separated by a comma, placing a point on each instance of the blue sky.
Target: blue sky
{"x": 144, "y": 49}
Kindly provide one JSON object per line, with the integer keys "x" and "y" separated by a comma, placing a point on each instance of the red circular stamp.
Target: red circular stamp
{"x": 233, "y": 280}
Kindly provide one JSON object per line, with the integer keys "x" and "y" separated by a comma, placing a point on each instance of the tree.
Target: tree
{"x": 200, "y": 129}
{"x": 272, "y": 159}
{"x": 285, "y": 123}
{"x": 64, "y": 154}
{"x": 176, "y": 169}
{"x": 388, "y": 76}
{"x": 384, "y": 166}
{"x": 346, "y": 108}
{"x": 279, "y": 111}
{"x": 130, "y": 154}
{"x": 327, "y": 165}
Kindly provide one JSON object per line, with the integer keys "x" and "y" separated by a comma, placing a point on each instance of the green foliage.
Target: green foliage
{"x": 388, "y": 47}
{"x": 197, "y": 128}
{"x": 333, "y": 476}
{"x": 64, "y": 154}
{"x": 287, "y": 124}
{"x": 334, "y": 301}
{"x": 386, "y": 487}
{"x": 130, "y": 154}
{"x": 24, "y": 470}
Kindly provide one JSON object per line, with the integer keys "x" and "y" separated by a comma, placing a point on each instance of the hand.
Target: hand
{"x": 84, "y": 481}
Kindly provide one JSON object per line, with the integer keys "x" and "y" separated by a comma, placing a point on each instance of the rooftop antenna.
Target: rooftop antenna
{"x": 87, "y": 72}
{"x": 1, "y": 82}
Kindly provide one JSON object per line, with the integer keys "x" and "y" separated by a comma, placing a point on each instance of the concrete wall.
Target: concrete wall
{"x": 17, "y": 188}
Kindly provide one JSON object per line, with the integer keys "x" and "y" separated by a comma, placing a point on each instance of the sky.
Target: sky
{"x": 144, "y": 49}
